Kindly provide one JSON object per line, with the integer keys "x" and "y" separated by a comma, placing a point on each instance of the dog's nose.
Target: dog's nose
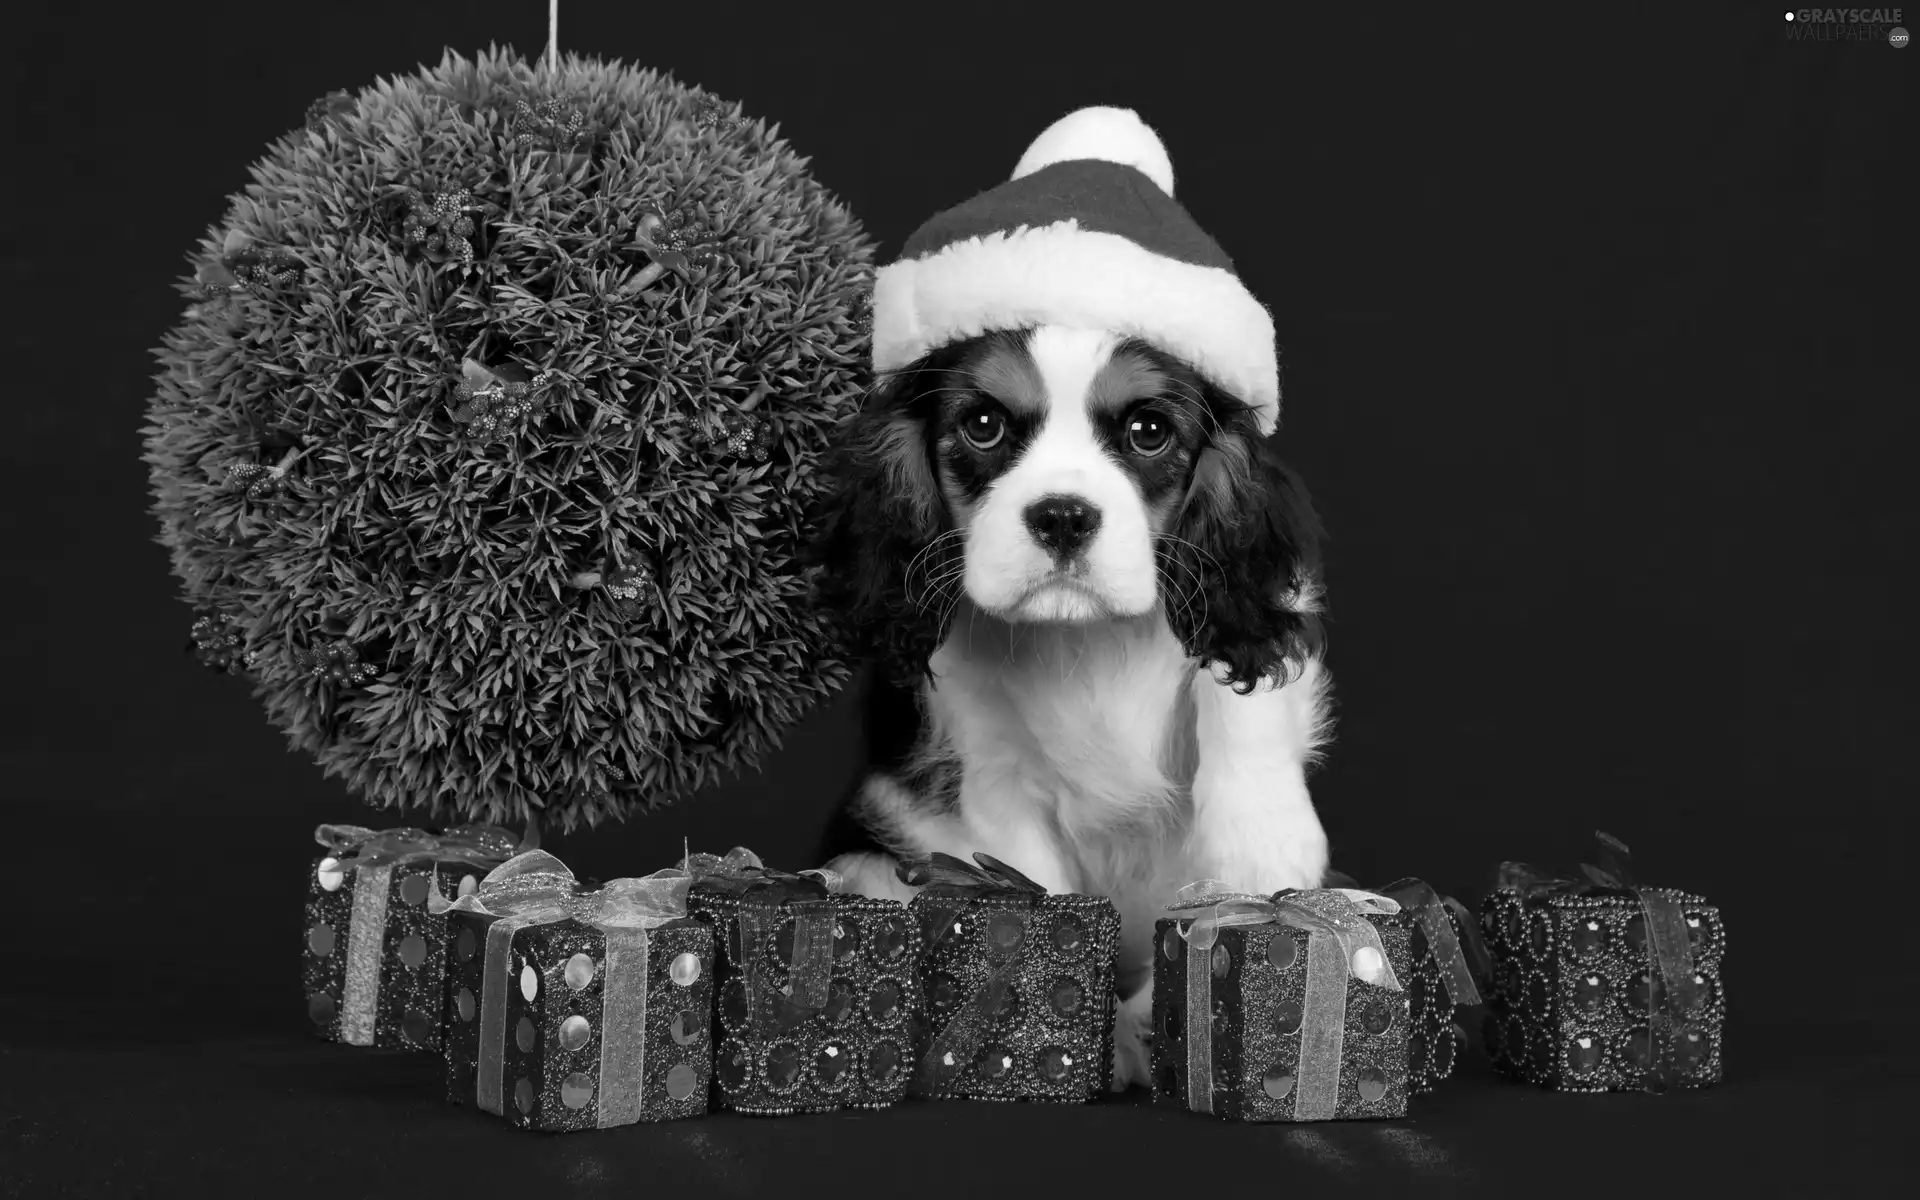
{"x": 1063, "y": 524}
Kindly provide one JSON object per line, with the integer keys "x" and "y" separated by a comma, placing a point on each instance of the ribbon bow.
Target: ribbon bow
{"x": 762, "y": 896}
{"x": 539, "y": 889}
{"x": 1340, "y": 942}
{"x": 1340, "y": 913}
{"x": 1459, "y": 954}
{"x": 357, "y": 846}
{"x": 1669, "y": 955}
{"x": 741, "y": 873}
{"x": 944, "y": 875}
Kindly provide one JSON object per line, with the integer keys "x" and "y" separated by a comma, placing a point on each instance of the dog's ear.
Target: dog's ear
{"x": 880, "y": 553}
{"x": 1243, "y": 589}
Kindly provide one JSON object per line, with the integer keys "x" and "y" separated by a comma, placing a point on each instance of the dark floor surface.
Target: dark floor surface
{"x": 1808, "y": 1113}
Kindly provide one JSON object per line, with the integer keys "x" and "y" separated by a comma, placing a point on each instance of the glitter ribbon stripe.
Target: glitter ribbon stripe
{"x": 1334, "y": 920}
{"x": 366, "y": 937}
{"x": 1199, "y": 1028}
{"x": 369, "y": 856}
{"x": 623, "y": 1039}
{"x": 535, "y": 888}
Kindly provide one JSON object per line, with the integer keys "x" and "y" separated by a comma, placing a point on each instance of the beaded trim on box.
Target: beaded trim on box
{"x": 857, "y": 1053}
{"x": 1051, "y": 1038}
{"x": 1569, "y": 998}
{"x": 1433, "y": 1040}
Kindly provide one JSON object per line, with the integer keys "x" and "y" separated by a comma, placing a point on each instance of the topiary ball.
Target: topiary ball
{"x": 486, "y": 443}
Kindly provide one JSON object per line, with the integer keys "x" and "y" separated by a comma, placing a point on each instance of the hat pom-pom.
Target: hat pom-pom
{"x": 1116, "y": 135}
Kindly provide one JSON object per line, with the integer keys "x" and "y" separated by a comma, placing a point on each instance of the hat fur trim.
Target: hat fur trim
{"x": 1061, "y": 274}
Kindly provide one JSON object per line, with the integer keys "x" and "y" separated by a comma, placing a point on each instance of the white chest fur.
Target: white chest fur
{"x": 1080, "y": 735}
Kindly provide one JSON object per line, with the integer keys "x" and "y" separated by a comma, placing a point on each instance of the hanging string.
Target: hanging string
{"x": 553, "y": 37}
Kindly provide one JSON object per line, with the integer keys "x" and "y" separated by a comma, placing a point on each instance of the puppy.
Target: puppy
{"x": 1092, "y": 592}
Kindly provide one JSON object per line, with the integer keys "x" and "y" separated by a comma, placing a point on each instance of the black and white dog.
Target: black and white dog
{"x": 1092, "y": 590}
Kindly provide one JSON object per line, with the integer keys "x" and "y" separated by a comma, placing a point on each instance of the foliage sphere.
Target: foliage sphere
{"x": 486, "y": 445}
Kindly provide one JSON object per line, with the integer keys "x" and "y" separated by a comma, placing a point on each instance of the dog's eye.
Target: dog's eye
{"x": 983, "y": 428}
{"x": 1148, "y": 433}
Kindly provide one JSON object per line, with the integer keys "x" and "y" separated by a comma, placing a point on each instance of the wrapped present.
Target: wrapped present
{"x": 373, "y": 968}
{"x": 572, "y": 1009}
{"x": 1448, "y": 962}
{"x": 1602, "y": 985}
{"x": 819, "y": 1004}
{"x": 1281, "y": 1008}
{"x": 1019, "y": 984}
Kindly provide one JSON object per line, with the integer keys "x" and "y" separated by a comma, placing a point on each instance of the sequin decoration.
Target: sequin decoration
{"x": 996, "y": 1062}
{"x": 576, "y": 1090}
{"x": 846, "y": 938}
{"x": 1584, "y": 1052}
{"x": 883, "y": 1003}
{"x": 1589, "y": 992}
{"x": 682, "y": 1081}
{"x": 890, "y": 939}
{"x": 579, "y": 972}
{"x": 414, "y": 889}
{"x": 1277, "y": 1082}
{"x": 1068, "y": 935}
{"x": 320, "y": 939}
{"x": 1589, "y": 937}
{"x": 416, "y": 1028}
{"x": 685, "y": 970}
{"x": 830, "y": 1064}
{"x": 1287, "y": 1015}
{"x": 687, "y": 1027}
{"x": 575, "y": 1032}
{"x": 1065, "y": 997}
{"x": 413, "y": 951}
{"x": 1372, "y": 1085}
{"x": 783, "y": 1066}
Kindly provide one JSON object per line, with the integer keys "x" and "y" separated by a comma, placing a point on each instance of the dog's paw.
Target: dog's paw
{"x": 1291, "y": 853}
{"x": 1133, "y": 1041}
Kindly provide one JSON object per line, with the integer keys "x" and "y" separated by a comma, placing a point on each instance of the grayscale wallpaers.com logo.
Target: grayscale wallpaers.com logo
{"x": 1847, "y": 25}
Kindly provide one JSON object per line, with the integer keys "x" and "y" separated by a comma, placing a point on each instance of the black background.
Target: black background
{"x": 1593, "y": 329}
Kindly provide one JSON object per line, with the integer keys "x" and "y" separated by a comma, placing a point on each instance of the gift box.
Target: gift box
{"x": 1019, "y": 985}
{"x": 1602, "y": 985}
{"x": 1449, "y": 964}
{"x": 819, "y": 1005}
{"x": 570, "y": 1008}
{"x": 373, "y": 968}
{"x": 1282, "y": 1008}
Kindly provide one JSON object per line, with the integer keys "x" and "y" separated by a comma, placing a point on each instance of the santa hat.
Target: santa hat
{"x": 1087, "y": 234}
